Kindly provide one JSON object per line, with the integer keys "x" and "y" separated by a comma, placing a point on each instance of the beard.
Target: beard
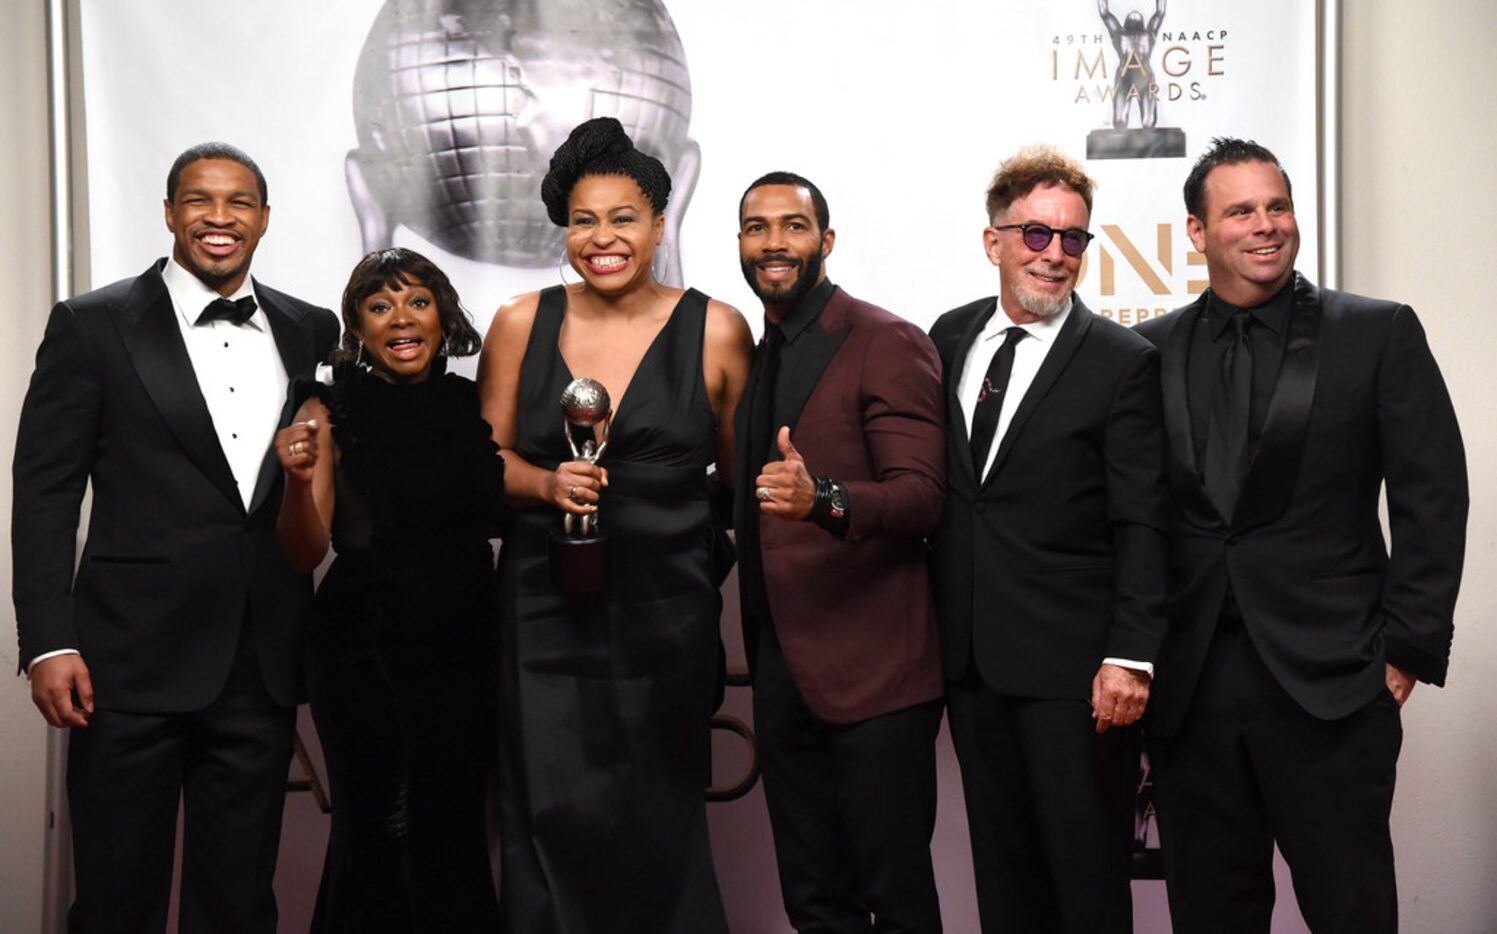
{"x": 1037, "y": 303}
{"x": 787, "y": 294}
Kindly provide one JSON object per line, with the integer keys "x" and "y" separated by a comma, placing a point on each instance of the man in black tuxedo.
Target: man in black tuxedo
{"x": 174, "y": 653}
{"x": 1294, "y": 635}
{"x": 1050, "y": 563}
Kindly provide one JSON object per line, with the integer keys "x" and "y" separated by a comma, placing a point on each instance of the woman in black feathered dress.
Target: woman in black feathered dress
{"x": 392, "y": 463}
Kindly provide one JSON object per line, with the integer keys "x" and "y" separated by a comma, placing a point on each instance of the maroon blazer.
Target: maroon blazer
{"x": 854, "y": 615}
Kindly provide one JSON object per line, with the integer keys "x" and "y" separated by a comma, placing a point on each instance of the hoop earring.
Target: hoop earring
{"x": 658, "y": 269}
{"x": 561, "y": 268}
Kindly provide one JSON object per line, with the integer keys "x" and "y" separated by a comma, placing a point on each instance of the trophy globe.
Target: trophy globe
{"x": 459, "y": 104}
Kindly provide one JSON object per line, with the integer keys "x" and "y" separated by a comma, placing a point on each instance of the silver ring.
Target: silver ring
{"x": 763, "y": 494}
{"x": 296, "y": 447}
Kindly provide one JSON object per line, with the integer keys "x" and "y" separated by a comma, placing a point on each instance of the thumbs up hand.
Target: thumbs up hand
{"x": 785, "y": 488}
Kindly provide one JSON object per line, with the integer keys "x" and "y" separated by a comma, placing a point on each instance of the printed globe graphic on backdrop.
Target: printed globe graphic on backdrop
{"x": 459, "y": 104}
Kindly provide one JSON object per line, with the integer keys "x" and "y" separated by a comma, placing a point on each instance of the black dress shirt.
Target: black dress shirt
{"x": 1213, "y": 334}
{"x": 792, "y": 355}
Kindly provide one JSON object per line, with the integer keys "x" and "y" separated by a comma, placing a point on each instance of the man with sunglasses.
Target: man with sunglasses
{"x": 1049, "y": 563}
{"x": 1295, "y": 634}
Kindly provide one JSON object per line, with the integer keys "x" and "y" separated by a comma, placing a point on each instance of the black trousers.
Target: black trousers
{"x": 227, "y": 765}
{"x": 1049, "y": 808}
{"x": 852, "y": 808}
{"x": 1248, "y": 768}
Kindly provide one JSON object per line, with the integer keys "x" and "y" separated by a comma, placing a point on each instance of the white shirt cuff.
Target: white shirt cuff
{"x": 1146, "y": 667}
{"x": 46, "y": 655}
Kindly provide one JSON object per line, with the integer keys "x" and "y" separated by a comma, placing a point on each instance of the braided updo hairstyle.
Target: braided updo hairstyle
{"x": 601, "y": 147}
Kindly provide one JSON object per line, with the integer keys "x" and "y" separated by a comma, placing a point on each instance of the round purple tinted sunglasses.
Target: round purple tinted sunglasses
{"x": 1037, "y": 237}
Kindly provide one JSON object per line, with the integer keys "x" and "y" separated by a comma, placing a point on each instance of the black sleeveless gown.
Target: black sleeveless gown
{"x": 401, "y": 658}
{"x": 604, "y": 710}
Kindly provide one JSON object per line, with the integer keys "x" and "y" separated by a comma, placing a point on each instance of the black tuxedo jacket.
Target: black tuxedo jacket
{"x": 1056, "y": 559}
{"x": 173, "y": 564}
{"x": 1358, "y": 402}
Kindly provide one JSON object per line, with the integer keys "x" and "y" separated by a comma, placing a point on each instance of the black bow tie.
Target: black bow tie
{"x": 235, "y": 312}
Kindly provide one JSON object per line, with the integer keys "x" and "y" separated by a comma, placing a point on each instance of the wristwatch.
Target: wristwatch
{"x": 836, "y": 500}
{"x": 831, "y": 506}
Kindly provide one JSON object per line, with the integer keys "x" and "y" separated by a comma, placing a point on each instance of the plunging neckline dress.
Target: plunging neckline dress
{"x": 604, "y": 708}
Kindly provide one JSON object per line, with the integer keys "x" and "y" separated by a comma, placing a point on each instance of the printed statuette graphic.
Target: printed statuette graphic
{"x": 459, "y": 105}
{"x": 1135, "y": 89}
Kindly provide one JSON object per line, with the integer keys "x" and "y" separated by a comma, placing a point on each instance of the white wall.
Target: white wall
{"x": 25, "y": 271}
{"x": 1417, "y": 208}
{"x": 1418, "y": 193}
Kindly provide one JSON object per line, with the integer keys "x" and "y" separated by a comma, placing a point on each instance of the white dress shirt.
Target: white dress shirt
{"x": 239, "y": 371}
{"x": 1029, "y": 354}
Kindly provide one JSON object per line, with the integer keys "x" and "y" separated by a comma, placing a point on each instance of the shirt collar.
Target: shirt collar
{"x": 1043, "y": 330}
{"x": 191, "y": 296}
{"x": 806, "y": 311}
{"x": 1272, "y": 314}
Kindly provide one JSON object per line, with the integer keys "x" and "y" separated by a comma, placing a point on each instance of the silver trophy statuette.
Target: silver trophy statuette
{"x": 586, "y": 413}
{"x": 581, "y": 556}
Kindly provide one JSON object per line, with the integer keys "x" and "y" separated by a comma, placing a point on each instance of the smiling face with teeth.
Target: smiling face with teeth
{"x": 1248, "y": 232}
{"x": 781, "y": 246}
{"x": 1035, "y": 285}
{"x": 612, "y": 232}
{"x": 402, "y": 331}
{"x": 217, "y": 218}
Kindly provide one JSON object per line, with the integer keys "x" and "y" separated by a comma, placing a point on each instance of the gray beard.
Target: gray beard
{"x": 1042, "y": 305}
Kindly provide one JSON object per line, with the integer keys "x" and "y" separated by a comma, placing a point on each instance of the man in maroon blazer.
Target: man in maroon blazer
{"x": 837, "y": 613}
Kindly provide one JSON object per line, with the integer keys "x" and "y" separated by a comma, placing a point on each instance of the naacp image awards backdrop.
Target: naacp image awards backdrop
{"x": 429, "y": 124}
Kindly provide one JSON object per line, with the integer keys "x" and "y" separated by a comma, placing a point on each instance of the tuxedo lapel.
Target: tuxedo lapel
{"x": 1175, "y": 366}
{"x": 1072, "y": 332}
{"x": 815, "y": 347}
{"x": 293, "y": 340}
{"x": 148, "y": 329}
{"x": 1270, "y": 478}
{"x": 960, "y": 458}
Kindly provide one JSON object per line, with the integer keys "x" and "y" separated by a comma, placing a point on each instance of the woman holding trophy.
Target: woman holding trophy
{"x": 391, "y": 463}
{"x": 609, "y": 399}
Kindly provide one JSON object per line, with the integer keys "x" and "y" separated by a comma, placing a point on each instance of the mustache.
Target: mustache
{"x": 1047, "y": 268}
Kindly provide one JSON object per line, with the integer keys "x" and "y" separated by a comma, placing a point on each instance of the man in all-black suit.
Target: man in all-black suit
{"x": 1050, "y": 563}
{"x": 837, "y": 614}
{"x": 1294, "y": 635}
{"x": 174, "y": 653}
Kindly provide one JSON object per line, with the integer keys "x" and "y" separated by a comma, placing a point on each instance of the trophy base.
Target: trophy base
{"x": 1160, "y": 142}
{"x": 581, "y": 566}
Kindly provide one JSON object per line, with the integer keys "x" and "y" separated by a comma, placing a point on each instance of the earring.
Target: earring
{"x": 660, "y": 265}
{"x": 358, "y": 358}
{"x": 562, "y": 266}
{"x": 446, "y": 345}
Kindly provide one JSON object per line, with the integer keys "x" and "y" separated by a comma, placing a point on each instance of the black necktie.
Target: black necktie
{"x": 761, "y": 415}
{"x": 990, "y": 400}
{"x": 234, "y": 312}
{"x": 1227, "y": 429}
